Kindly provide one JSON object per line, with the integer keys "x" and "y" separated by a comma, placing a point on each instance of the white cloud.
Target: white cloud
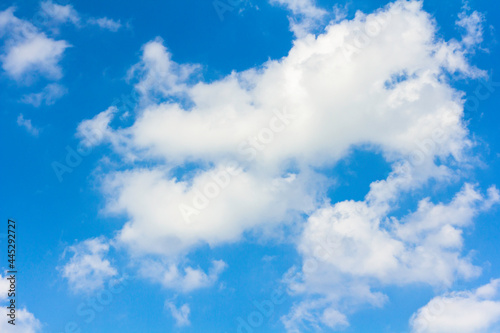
{"x": 178, "y": 226}
{"x": 27, "y": 51}
{"x": 334, "y": 319}
{"x": 48, "y": 96}
{"x": 35, "y": 54}
{"x": 25, "y": 321}
{"x": 87, "y": 270}
{"x": 377, "y": 82}
{"x": 475, "y": 311}
{"x": 301, "y": 7}
{"x": 26, "y": 123}
{"x": 351, "y": 247}
{"x": 473, "y": 25}
{"x": 181, "y": 315}
{"x": 328, "y": 96}
{"x": 169, "y": 276}
{"x": 306, "y": 16}
{"x": 59, "y": 13}
{"x": 94, "y": 131}
{"x": 312, "y": 314}
{"x": 106, "y": 23}
{"x": 4, "y": 287}
{"x": 159, "y": 75}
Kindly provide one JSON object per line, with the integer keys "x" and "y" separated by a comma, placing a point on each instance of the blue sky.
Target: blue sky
{"x": 252, "y": 166}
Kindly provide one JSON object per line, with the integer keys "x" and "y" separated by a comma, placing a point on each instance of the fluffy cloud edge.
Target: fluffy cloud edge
{"x": 474, "y": 311}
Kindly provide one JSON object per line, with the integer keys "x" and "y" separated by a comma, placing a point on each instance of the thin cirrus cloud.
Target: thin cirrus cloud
{"x": 377, "y": 82}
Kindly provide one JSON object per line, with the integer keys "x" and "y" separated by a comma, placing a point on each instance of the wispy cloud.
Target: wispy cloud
{"x": 48, "y": 96}
{"x": 59, "y": 13}
{"x": 26, "y": 124}
{"x": 106, "y": 23}
{"x": 180, "y": 315}
{"x": 472, "y": 23}
{"x": 55, "y": 14}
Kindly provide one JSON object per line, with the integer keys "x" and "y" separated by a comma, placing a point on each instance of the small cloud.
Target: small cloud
{"x": 48, "y": 96}
{"x": 181, "y": 315}
{"x": 26, "y": 322}
{"x": 268, "y": 258}
{"x": 106, "y": 23}
{"x": 60, "y": 14}
{"x": 473, "y": 26}
{"x": 187, "y": 281}
{"x": 460, "y": 312}
{"x": 28, "y": 50}
{"x": 26, "y": 123}
{"x": 87, "y": 270}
